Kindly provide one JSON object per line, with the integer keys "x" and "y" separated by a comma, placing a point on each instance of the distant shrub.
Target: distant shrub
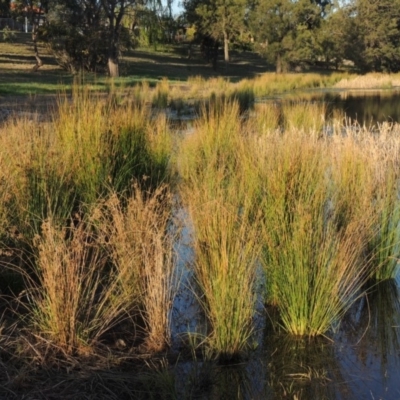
{"x": 8, "y": 35}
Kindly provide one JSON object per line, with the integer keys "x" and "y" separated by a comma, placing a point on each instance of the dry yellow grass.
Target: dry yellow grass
{"x": 369, "y": 81}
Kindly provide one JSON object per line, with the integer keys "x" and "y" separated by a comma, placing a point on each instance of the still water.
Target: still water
{"x": 359, "y": 360}
{"x": 368, "y": 108}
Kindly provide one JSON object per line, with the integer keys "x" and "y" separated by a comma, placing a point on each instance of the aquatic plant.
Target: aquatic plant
{"x": 384, "y": 245}
{"x": 225, "y": 240}
{"x": 134, "y": 233}
{"x": 67, "y": 300}
{"x": 361, "y": 157}
{"x": 161, "y": 94}
{"x": 306, "y": 116}
{"x": 113, "y": 265}
{"x": 266, "y": 119}
{"x": 312, "y": 268}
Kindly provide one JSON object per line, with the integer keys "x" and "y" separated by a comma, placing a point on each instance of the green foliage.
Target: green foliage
{"x": 80, "y": 43}
{"x": 5, "y": 8}
{"x": 312, "y": 270}
{"x": 223, "y": 20}
{"x": 8, "y": 35}
{"x": 385, "y": 243}
{"x": 285, "y": 30}
{"x": 378, "y": 24}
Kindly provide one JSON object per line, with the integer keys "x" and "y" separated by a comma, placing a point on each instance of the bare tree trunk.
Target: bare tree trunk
{"x": 226, "y": 48}
{"x": 113, "y": 67}
{"x": 35, "y": 27}
{"x": 279, "y": 66}
{"x": 115, "y": 10}
{"x": 113, "y": 59}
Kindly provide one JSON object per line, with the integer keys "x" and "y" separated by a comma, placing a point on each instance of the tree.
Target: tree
{"x": 219, "y": 19}
{"x": 285, "y": 30}
{"x": 337, "y": 37}
{"x": 87, "y": 34}
{"x": 377, "y": 23}
{"x": 115, "y": 10}
{"x": 272, "y": 22}
{"x": 5, "y": 8}
{"x": 33, "y": 10}
{"x": 75, "y": 33}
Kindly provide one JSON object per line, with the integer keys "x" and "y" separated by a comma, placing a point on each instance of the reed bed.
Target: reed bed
{"x": 87, "y": 148}
{"x": 372, "y": 159}
{"x": 112, "y": 266}
{"x": 266, "y": 119}
{"x": 306, "y": 116}
{"x": 88, "y": 197}
{"x": 369, "y": 81}
{"x": 161, "y": 94}
{"x": 270, "y": 83}
{"x": 90, "y": 151}
{"x": 267, "y": 84}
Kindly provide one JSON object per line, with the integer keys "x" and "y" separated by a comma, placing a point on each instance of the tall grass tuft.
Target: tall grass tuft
{"x": 136, "y": 234}
{"x": 226, "y": 243}
{"x": 89, "y": 146}
{"x": 160, "y": 97}
{"x": 265, "y": 120}
{"x": 309, "y": 117}
{"x": 39, "y": 184}
{"x": 114, "y": 264}
{"x": 312, "y": 268}
{"x": 107, "y": 146}
{"x": 365, "y": 177}
{"x": 384, "y": 244}
{"x": 69, "y": 304}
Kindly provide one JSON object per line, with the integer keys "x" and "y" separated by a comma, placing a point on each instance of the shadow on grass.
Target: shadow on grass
{"x": 16, "y": 78}
{"x": 177, "y": 66}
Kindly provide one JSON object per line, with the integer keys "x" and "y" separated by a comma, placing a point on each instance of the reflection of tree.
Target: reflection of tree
{"x": 378, "y": 317}
{"x": 212, "y": 381}
{"x": 232, "y": 382}
{"x": 304, "y": 368}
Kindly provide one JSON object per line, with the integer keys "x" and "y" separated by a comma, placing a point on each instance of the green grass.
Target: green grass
{"x": 17, "y": 78}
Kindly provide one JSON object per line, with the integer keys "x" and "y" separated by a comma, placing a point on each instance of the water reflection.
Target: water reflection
{"x": 361, "y": 360}
{"x": 305, "y": 368}
{"x": 370, "y": 343}
{"x": 368, "y": 108}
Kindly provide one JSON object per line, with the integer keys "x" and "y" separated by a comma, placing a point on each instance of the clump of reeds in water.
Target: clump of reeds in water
{"x": 312, "y": 268}
{"x": 89, "y": 146}
{"x": 266, "y": 119}
{"x": 221, "y": 208}
{"x": 115, "y": 264}
{"x": 161, "y": 94}
{"x": 365, "y": 168}
{"x": 57, "y": 173}
{"x": 136, "y": 234}
{"x": 304, "y": 116}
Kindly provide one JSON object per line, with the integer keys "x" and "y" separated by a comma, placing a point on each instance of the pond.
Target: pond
{"x": 366, "y": 107}
{"x": 360, "y": 359}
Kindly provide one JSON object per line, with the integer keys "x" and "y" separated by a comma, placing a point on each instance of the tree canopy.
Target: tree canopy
{"x": 92, "y": 34}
